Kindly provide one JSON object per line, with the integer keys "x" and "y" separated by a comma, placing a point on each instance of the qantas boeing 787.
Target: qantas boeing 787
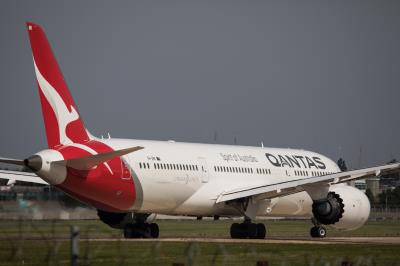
{"x": 129, "y": 180}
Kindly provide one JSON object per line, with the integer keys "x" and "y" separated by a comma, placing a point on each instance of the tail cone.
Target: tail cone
{"x": 34, "y": 163}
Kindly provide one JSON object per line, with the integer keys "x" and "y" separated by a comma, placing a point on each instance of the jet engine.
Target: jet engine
{"x": 345, "y": 208}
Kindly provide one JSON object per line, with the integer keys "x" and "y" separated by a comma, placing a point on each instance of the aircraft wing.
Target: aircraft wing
{"x": 13, "y": 176}
{"x": 278, "y": 189}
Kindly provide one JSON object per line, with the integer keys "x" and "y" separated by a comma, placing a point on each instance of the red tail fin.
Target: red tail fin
{"x": 61, "y": 118}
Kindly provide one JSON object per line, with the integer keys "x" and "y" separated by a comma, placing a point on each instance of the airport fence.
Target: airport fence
{"x": 58, "y": 242}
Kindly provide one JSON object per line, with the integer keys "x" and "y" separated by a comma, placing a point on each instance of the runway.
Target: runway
{"x": 323, "y": 241}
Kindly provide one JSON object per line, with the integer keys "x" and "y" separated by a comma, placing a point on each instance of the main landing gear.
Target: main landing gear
{"x": 247, "y": 229}
{"x": 317, "y": 230}
{"x": 141, "y": 230}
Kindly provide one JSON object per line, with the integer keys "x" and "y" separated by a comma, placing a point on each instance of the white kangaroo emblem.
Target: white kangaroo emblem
{"x": 63, "y": 115}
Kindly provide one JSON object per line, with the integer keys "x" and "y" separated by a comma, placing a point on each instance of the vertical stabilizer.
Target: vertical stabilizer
{"x": 61, "y": 117}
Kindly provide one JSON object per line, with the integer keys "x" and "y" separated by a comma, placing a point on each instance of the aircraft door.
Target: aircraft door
{"x": 205, "y": 175}
{"x": 125, "y": 172}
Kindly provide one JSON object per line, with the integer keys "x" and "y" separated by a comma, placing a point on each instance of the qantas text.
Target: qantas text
{"x": 295, "y": 161}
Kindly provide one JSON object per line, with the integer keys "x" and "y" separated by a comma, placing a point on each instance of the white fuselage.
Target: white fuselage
{"x": 187, "y": 178}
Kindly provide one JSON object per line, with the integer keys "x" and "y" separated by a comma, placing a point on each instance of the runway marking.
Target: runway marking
{"x": 319, "y": 241}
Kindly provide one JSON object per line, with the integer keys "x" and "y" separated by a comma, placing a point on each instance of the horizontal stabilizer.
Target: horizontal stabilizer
{"x": 13, "y": 176}
{"x": 88, "y": 162}
{"x": 11, "y": 161}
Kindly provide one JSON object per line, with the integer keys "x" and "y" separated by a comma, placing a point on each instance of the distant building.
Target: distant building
{"x": 361, "y": 185}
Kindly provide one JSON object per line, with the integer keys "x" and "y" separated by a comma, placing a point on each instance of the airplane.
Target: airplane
{"x": 130, "y": 181}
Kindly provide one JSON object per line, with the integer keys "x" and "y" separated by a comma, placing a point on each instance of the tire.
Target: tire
{"x": 313, "y": 231}
{"x": 318, "y": 231}
{"x": 235, "y": 231}
{"x": 128, "y": 231}
{"x": 261, "y": 231}
{"x": 154, "y": 230}
{"x": 251, "y": 230}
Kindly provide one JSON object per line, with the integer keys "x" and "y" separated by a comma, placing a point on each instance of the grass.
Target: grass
{"x": 47, "y": 243}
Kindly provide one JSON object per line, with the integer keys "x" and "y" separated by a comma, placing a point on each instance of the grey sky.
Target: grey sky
{"x": 318, "y": 75}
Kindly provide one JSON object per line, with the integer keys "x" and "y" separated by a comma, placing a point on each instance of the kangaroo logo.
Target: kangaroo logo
{"x": 63, "y": 115}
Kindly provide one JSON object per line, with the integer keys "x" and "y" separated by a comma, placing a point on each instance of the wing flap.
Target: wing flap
{"x": 284, "y": 188}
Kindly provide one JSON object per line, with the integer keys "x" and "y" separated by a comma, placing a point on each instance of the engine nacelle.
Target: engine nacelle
{"x": 345, "y": 208}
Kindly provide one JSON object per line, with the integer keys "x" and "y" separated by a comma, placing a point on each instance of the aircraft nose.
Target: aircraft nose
{"x": 34, "y": 163}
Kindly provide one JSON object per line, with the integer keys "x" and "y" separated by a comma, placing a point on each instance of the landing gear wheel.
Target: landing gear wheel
{"x": 251, "y": 230}
{"x": 128, "y": 231}
{"x": 141, "y": 230}
{"x": 318, "y": 231}
{"x": 235, "y": 230}
{"x": 154, "y": 230}
{"x": 261, "y": 231}
{"x": 248, "y": 230}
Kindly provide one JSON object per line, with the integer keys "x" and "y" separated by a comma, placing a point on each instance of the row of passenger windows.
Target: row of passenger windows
{"x": 313, "y": 173}
{"x": 224, "y": 169}
{"x": 263, "y": 171}
{"x": 170, "y": 166}
{"x": 233, "y": 169}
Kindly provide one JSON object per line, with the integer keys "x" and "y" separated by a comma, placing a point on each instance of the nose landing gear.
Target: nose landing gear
{"x": 317, "y": 230}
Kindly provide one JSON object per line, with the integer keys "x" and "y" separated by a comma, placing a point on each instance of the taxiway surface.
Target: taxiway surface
{"x": 323, "y": 241}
